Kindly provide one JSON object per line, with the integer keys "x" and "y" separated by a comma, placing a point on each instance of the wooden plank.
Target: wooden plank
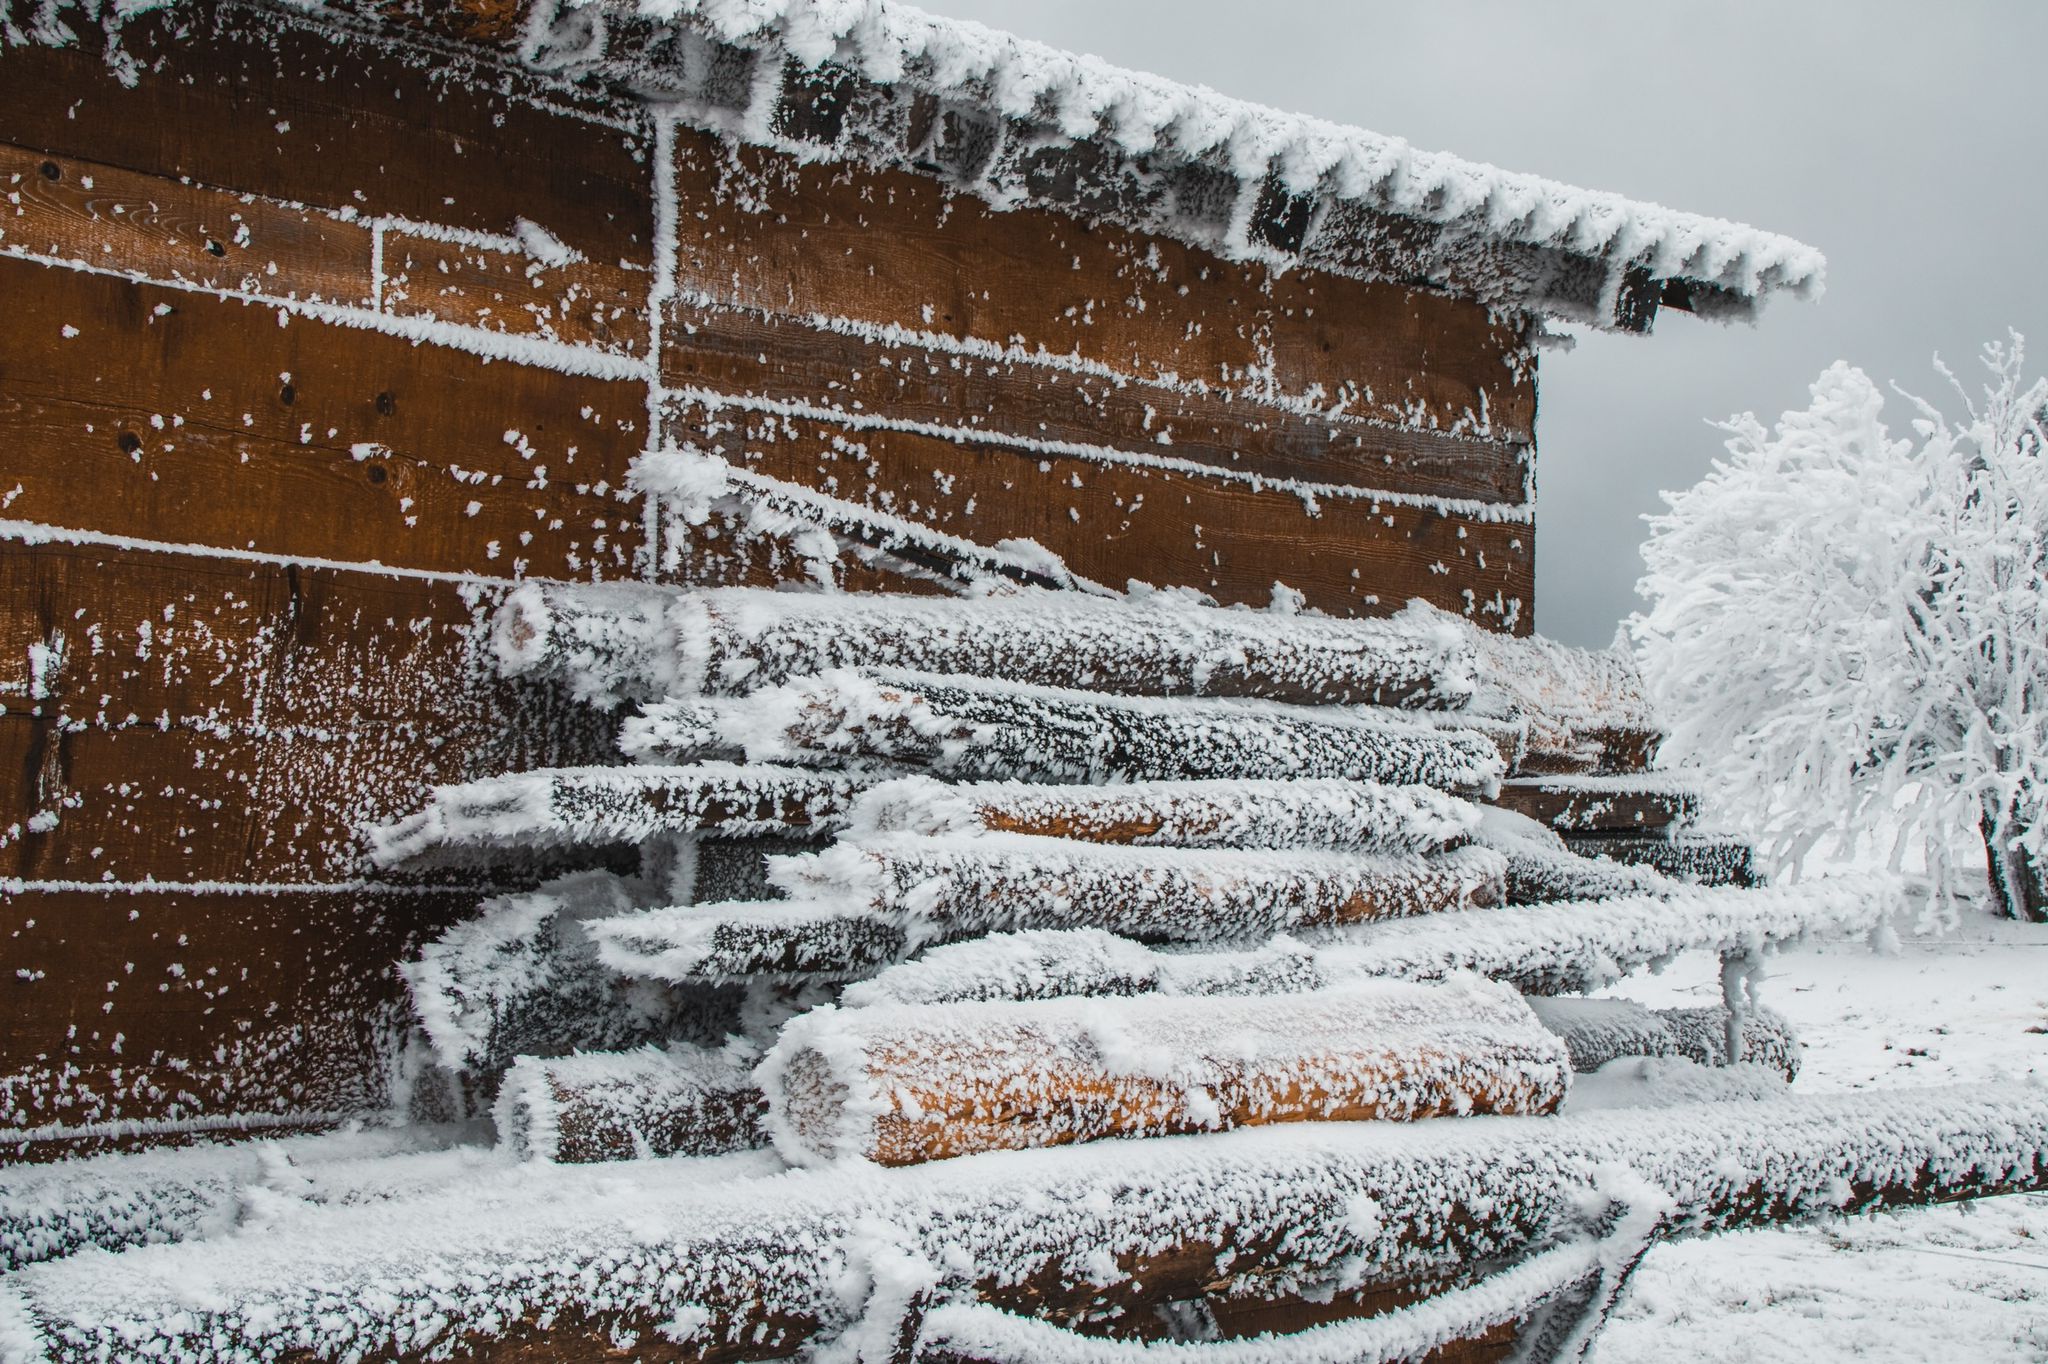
{"x": 891, "y": 248}
{"x": 151, "y": 412}
{"x": 776, "y": 360}
{"x": 107, "y": 218}
{"x": 192, "y": 718}
{"x": 1113, "y": 524}
{"x": 300, "y": 111}
{"x": 162, "y": 1005}
{"x": 102, "y": 217}
{"x": 193, "y": 804}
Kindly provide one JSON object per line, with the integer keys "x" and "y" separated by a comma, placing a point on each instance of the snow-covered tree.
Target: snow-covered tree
{"x": 1848, "y": 628}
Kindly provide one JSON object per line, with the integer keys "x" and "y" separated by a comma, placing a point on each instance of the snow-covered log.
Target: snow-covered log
{"x": 1544, "y": 949}
{"x": 949, "y": 888}
{"x": 728, "y": 942}
{"x": 1543, "y": 868}
{"x": 731, "y": 641}
{"x": 1581, "y": 710}
{"x": 654, "y": 1101}
{"x": 904, "y": 1085}
{"x": 1585, "y": 710}
{"x": 584, "y": 806}
{"x": 1582, "y": 946}
{"x": 523, "y": 976}
{"x": 979, "y": 729}
{"x": 151, "y": 1197}
{"x": 1596, "y": 1031}
{"x": 1702, "y": 859}
{"x": 1604, "y": 804}
{"x": 1356, "y": 815}
{"x": 696, "y": 1254}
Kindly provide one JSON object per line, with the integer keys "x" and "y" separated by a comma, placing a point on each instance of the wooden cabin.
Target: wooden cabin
{"x": 730, "y": 584}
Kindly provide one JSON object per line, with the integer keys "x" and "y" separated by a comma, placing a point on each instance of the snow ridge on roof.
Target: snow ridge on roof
{"x": 1087, "y": 100}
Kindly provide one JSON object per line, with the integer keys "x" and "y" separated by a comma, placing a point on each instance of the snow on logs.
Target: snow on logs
{"x": 859, "y": 905}
{"x": 524, "y": 975}
{"x": 776, "y": 940}
{"x": 727, "y": 1266}
{"x": 1543, "y": 949}
{"x": 1572, "y": 710}
{"x": 1178, "y": 814}
{"x": 642, "y": 644}
{"x": 588, "y": 806}
{"x": 980, "y": 729}
{"x": 900, "y": 1086}
{"x": 656, "y": 1101}
{"x": 950, "y": 888}
{"x": 1586, "y": 945}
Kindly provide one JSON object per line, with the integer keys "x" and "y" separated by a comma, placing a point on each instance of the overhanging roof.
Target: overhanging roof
{"x": 1018, "y": 122}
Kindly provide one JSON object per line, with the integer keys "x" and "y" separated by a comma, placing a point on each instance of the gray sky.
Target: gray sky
{"x": 1909, "y": 141}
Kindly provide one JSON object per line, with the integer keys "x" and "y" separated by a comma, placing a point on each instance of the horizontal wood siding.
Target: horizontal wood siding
{"x": 1021, "y": 375}
{"x": 159, "y": 1006}
{"x": 287, "y": 403}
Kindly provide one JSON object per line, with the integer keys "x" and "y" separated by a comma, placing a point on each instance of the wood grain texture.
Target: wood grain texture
{"x": 197, "y": 719}
{"x": 299, "y": 111}
{"x": 777, "y": 362}
{"x": 1113, "y": 524}
{"x": 136, "y": 410}
{"x": 895, "y": 249}
{"x": 158, "y": 1005}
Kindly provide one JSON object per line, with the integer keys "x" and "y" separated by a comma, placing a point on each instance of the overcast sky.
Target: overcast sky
{"x": 1909, "y": 141}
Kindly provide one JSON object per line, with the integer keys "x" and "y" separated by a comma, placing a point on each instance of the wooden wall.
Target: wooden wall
{"x": 289, "y": 395}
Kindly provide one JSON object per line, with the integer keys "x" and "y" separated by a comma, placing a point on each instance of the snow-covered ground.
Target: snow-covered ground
{"x": 1967, "y": 1283}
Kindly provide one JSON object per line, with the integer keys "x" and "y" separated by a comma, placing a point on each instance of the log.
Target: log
{"x": 1580, "y": 947}
{"x": 1602, "y": 804}
{"x": 754, "y": 1268}
{"x": 950, "y": 889}
{"x": 523, "y": 977}
{"x": 782, "y": 940}
{"x": 1573, "y": 710}
{"x": 656, "y": 1101}
{"x": 586, "y": 806}
{"x": 977, "y": 729}
{"x": 1700, "y": 859}
{"x": 1596, "y": 1031}
{"x": 1544, "y": 949}
{"x": 1543, "y": 868}
{"x": 900, "y": 1086}
{"x": 1360, "y": 816}
{"x": 727, "y": 643}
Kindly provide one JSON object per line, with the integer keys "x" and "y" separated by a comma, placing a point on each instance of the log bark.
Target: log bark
{"x": 780, "y": 940}
{"x": 678, "y": 1100}
{"x": 977, "y": 729}
{"x": 1090, "y": 1233}
{"x": 1363, "y": 816}
{"x": 948, "y": 889}
{"x": 1596, "y": 1031}
{"x": 1572, "y": 710}
{"x": 900, "y": 1086}
{"x": 1611, "y": 804}
{"x": 586, "y": 806}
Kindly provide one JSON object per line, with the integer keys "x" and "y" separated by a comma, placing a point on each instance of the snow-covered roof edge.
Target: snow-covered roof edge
{"x": 1018, "y": 122}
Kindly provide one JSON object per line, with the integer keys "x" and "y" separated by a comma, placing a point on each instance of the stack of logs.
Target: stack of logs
{"x": 905, "y": 878}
